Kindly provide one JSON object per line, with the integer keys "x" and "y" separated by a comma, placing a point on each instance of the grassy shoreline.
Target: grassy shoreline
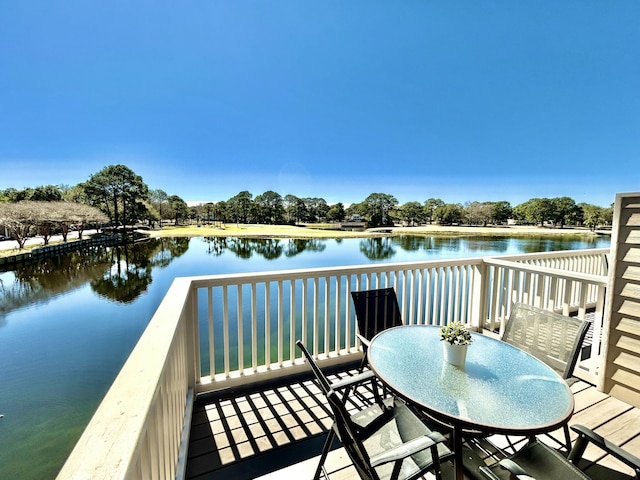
{"x": 289, "y": 231}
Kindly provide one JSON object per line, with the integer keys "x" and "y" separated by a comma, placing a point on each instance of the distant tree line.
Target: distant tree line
{"x": 118, "y": 195}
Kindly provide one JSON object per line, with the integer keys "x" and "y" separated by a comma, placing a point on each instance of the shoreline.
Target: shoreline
{"x": 290, "y": 231}
{"x": 9, "y": 247}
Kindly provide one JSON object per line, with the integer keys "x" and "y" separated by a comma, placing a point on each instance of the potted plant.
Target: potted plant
{"x": 455, "y": 338}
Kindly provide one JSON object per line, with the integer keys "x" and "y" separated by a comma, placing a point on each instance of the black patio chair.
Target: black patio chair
{"x": 376, "y": 310}
{"x": 538, "y": 461}
{"x": 385, "y": 441}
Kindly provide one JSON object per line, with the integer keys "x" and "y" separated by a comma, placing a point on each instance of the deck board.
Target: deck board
{"x": 277, "y": 431}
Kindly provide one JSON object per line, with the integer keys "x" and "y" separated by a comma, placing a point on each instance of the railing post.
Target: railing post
{"x": 193, "y": 341}
{"x": 480, "y": 292}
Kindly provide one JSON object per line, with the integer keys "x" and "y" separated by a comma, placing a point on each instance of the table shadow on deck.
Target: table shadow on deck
{"x": 246, "y": 434}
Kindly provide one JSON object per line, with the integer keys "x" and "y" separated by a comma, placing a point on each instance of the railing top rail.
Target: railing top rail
{"x": 270, "y": 276}
{"x": 564, "y": 274}
{"x": 257, "y": 277}
{"x": 555, "y": 254}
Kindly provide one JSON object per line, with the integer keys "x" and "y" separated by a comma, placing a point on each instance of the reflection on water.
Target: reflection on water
{"x": 268, "y": 248}
{"x": 130, "y": 267}
{"x": 69, "y": 323}
{"x": 122, "y": 273}
{"x": 118, "y": 273}
{"x": 377, "y": 248}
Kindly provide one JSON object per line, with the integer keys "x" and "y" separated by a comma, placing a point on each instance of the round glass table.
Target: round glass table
{"x": 501, "y": 389}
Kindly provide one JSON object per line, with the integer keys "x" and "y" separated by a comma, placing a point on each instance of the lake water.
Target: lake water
{"x": 68, "y": 324}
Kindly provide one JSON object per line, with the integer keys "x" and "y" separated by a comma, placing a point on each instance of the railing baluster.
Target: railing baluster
{"x": 240, "y": 332}
{"x": 212, "y": 357}
{"x": 303, "y": 313}
{"x": 327, "y": 333}
{"x": 336, "y": 316}
{"x": 316, "y": 316}
{"x": 347, "y": 313}
{"x": 225, "y": 331}
{"x": 280, "y": 324}
{"x": 568, "y": 286}
{"x": 428, "y": 307}
{"x": 267, "y": 324}
{"x": 254, "y": 328}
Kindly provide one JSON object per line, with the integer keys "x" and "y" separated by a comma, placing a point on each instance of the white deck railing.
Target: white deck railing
{"x": 219, "y": 331}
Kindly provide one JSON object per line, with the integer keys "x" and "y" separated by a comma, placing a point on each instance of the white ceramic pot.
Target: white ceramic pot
{"x": 454, "y": 354}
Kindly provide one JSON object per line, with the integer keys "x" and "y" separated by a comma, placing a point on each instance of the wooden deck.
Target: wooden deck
{"x": 277, "y": 432}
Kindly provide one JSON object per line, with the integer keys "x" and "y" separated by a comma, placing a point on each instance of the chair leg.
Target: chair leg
{"x": 323, "y": 456}
{"x": 437, "y": 468}
{"x": 363, "y": 363}
{"x": 575, "y": 454}
{"x": 567, "y": 438}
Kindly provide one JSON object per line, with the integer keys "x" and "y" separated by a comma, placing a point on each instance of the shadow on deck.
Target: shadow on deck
{"x": 278, "y": 430}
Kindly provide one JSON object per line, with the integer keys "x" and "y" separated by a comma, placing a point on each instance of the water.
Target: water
{"x": 68, "y": 324}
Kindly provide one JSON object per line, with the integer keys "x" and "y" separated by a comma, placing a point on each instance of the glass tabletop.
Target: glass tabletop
{"x": 500, "y": 389}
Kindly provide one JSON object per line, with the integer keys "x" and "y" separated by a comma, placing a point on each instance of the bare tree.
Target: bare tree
{"x": 47, "y": 218}
{"x": 19, "y": 219}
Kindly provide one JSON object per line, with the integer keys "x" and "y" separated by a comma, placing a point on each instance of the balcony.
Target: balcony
{"x": 217, "y": 335}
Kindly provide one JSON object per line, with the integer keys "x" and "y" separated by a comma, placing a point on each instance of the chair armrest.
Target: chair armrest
{"x": 515, "y": 469}
{"x": 406, "y": 449}
{"x": 586, "y": 434}
{"x": 353, "y": 380}
{"x": 366, "y": 342}
{"x": 488, "y": 474}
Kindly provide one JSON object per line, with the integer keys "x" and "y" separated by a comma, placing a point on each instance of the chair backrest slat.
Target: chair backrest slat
{"x": 551, "y": 337}
{"x": 376, "y": 310}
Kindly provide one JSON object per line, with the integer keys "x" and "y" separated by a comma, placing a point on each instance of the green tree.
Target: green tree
{"x": 478, "y": 213}
{"x": 353, "y": 210}
{"x": 449, "y": 213}
{"x": 269, "y": 207}
{"x": 209, "y": 209}
{"x": 502, "y": 212}
{"x": 607, "y": 215}
{"x": 592, "y": 215}
{"x": 240, "y": 207}
{"x": 411, "y": 213}
{"x": 8, "y": 195}
{"x": 159, "y": 200}
{"x": 336, "y": 212}
{"x": 296, "y": 209}
{"x": 377, "y": 208}
{"x": 179, "y": 208}
{"x": 222, "y": 212}
{"x": 116, "y": 190}
{"x": 430, "y": 207}
{"x": 316, "y": 209}
{"x": 535, "y": 211}
{"x": 75, "y": 193}
{"x": 46, "y": 193}
{"x": 565, "y": 211}
{"x": 290, "y": 203}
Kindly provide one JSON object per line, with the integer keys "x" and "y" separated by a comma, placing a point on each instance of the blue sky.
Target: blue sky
{"x": 459, "y": 100}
